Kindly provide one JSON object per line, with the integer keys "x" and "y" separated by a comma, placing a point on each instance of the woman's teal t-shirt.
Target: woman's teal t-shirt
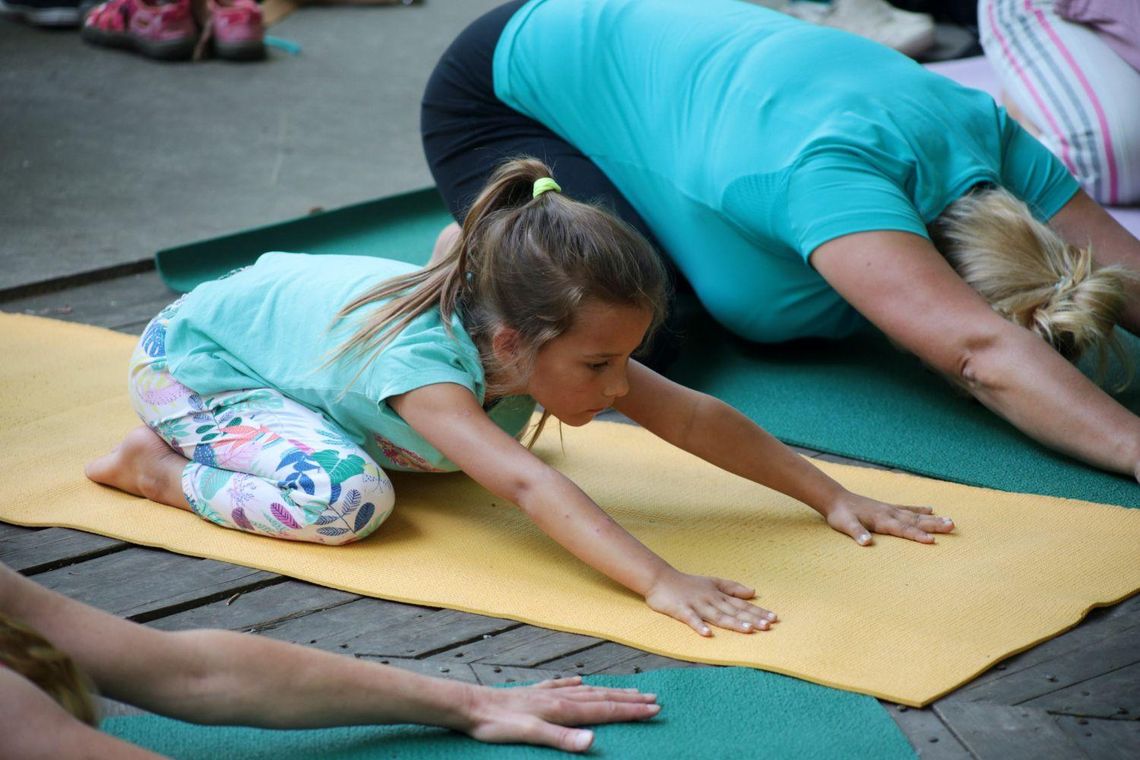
{"x": 746, "y": 139}
{"x": 268, "y": 326}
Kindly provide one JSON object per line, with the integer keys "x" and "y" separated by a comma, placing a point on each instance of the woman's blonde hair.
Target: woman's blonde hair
{"x": 26, "y": 652}
{"x": 522, "y": 262}
{"x": 1031, "y": 276}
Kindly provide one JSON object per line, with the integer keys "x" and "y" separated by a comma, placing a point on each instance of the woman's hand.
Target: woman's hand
{"x": 858, "y": 517}
{"x": 541, "y": 714}
{"x": 696, "y": 600}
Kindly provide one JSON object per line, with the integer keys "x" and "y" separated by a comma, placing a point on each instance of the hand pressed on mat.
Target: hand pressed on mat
{"x": 694, "y": 599}
{"x": 855, "y": 515}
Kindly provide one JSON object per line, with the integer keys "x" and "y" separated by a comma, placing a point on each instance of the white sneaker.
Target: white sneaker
{"x": 878, "y": 20}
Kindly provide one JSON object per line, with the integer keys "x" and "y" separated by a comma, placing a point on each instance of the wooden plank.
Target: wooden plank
{"x": 489, "y": 675}
{"x": 33, "y": 552}
{"x": 258, "y": 608}
{"x": 1113, "y": 695}
{"x": 144, "y": 583}
{"x": 595, "y": 659}
{"x": 1104, "y": 739}
{"x": 525, "y": 647}
{"x": 455, "y": 672}
{"x": 8, "y": 530}
{"x": 132, "y": 299}
{"x": 998, "y": 732}
{"x": 1110, "y": 650}
{"x": 436, "y": 631}
{"x": 1100, "y": 625}
{"x": 927, "y": 733}
{"x": 352, "y": 628}
{"x": 645, "y": 662}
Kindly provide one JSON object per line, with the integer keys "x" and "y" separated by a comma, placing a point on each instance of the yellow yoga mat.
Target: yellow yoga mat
{"x": 898, "y": 620}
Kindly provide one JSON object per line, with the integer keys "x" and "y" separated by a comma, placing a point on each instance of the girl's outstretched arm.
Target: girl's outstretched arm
{"x": 714, "y": 431}
{"x": 450, "y": 418}
{"x": 221, "y": 677}
{"x": 905, "y": 287}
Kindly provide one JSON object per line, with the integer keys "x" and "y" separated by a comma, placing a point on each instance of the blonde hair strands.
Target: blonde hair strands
{"x": 522, "y": 262}
{"x": 26, "y": 652}
{"x": 1031, "y": 276}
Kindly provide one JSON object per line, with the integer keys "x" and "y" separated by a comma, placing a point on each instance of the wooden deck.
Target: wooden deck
{"x": 1075, "y": 696}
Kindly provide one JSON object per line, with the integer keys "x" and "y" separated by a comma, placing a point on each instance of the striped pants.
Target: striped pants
{"x": 1082, "y": 98}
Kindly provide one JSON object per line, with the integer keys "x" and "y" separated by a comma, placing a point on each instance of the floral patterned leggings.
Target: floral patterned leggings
{"x": 259, "y": 462}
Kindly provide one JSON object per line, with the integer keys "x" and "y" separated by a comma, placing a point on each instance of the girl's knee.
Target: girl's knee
{"x": 355, "y": 509}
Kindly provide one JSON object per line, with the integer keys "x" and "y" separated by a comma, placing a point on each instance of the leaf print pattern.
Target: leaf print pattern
{"x": 364, "y": 516}
{"x": 240, "y": 520}
{"x": 279, "y": 511}
{"x": 260, "y": 462}
{"x": 153, "y": 341}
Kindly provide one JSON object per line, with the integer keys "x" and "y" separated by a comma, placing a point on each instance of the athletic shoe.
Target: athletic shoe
{"x": 235, "y": 29}
{"x": 43, "y": 12}
{"x": 165, "y": 31}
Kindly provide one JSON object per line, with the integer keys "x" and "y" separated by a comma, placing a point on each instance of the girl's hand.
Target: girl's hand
{"x": 858, "y": 517}
{"x": 541, "y": 714}
{"x": 697, "y": 600}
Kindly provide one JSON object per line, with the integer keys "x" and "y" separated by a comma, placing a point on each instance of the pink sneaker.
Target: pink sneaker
{"x": 166, "y": 31}
{"x": 235, "y": 28}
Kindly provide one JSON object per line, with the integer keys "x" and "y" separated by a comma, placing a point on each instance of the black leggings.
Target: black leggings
{"x": 467, "y": 132}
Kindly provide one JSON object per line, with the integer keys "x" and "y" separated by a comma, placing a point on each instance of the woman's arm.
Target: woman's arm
{"x": 1082, "y": 222}
{"x": 902, "y": 284}
{"x": 450, "y": 418}
{"x": 221, "y": 677}
{"x": 34, "y": 727}
{"x": 714, "y": 431}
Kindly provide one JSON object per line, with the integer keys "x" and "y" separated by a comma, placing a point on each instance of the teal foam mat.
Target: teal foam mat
{"x": 400, "y": 227}
{"x": 706, "y": 712}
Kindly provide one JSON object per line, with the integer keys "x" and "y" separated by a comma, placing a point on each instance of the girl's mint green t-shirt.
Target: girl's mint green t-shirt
{"x": 268, "y": 326}
{"x": 746, "y": 139}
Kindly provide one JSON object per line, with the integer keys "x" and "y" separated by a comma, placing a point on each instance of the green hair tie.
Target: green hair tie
{"x": 543, "y": 184}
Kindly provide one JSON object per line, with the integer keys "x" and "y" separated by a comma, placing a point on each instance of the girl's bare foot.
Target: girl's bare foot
{"x": 142, "y": 465}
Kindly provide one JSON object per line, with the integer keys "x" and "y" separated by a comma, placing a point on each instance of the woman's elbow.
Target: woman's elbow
{"x": 982, "y": 363}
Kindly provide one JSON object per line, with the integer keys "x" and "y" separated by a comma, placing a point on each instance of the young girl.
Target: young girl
{"x": 262, "y": 417}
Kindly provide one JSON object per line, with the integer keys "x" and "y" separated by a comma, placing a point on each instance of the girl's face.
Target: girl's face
{"x": 581, "y": 372}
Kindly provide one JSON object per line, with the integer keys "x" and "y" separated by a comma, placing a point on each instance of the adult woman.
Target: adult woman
{"x": 791, "y": 172}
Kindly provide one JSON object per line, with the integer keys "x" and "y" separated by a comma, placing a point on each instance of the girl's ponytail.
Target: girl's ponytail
{"x": 442, "y": 283}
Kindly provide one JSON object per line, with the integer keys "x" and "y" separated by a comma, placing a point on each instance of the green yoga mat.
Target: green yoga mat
{"x": 400, "y": 227}
{"x": 706, "y": 712}
{"x": 860, "y": 398}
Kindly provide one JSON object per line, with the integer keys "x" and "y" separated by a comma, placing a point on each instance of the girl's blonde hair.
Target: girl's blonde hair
{"x": 522, "y": 262}
{"x": 1031, "y": 276}
{"x": 26, "y": 652}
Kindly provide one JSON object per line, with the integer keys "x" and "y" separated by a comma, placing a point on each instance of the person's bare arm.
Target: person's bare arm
{"x": 902, "y": 284}
{"x": 1081, "y": 222}
{"x": 450, "y": 418}
{"x": 34, "y": 727}
{"x": 714, "y": 431}
{"x": 221, "y": 677}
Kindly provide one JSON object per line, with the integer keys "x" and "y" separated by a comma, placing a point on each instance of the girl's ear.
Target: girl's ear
{"x": 506, "y": 345}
